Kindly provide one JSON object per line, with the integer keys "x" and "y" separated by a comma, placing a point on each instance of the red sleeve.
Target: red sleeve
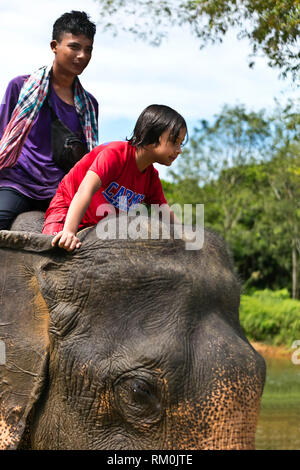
{"x": 155, "y": 195}
{"x": 108, "y": 165}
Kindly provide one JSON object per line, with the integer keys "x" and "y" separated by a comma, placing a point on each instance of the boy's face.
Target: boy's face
{"x": 72, "y": 53}
{"x": 166, "y": 151}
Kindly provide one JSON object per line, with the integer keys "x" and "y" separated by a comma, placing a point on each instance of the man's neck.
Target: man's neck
{"x": 63, "y": 84}
{"x": 61, "y": 78}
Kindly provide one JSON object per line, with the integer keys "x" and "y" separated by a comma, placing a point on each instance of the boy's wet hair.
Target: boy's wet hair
{"x": 154, "y": 120}
{"x": 75, "y": 22}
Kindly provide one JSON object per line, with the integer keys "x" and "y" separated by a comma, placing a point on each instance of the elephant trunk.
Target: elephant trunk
{"x": 223, "y": 425}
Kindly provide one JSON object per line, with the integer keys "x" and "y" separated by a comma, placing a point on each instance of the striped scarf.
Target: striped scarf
{"x": 31, "y": 98}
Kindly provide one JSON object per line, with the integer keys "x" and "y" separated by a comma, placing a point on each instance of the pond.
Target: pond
{"x": 279, "y": 421}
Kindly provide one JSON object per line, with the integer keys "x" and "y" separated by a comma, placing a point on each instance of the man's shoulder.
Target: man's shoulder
{"x": 18, "y": 81}
{"x": 91, "y": 96}
{"x": 12, "y": 92}
{"x": 15, "y": 84}
{"x": 93, "y": 99}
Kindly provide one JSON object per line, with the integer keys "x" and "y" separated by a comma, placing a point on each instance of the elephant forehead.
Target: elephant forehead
{"x": 168, "y": 255}
{"x": 158, "y": 301}
{"x": 132, "y": 272}
{"x": 124, "y": 266}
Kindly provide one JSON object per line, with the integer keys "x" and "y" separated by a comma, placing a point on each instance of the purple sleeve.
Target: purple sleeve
{"x": 9, "y": 101}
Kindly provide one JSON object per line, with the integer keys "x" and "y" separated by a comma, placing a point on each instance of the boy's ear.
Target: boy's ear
{"x": 53, "y": 45}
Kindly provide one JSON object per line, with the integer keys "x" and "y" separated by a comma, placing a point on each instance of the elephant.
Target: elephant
{"x": 123, "y": 345}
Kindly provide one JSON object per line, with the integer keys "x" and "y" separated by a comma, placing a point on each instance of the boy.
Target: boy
{"x": 116, "y": 171}
{"x": 28, "y": 175}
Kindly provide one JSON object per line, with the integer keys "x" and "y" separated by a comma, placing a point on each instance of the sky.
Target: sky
{"x": 126, "y": 75}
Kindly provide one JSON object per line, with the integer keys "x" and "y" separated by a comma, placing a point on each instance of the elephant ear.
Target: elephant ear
{"x": 23, "y": 332}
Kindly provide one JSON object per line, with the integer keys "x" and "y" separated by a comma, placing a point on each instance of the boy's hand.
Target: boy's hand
{"x": 66, "y": 240}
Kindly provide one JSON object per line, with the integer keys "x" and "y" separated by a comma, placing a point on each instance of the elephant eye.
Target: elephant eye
{"x": 137, "y": 398}
{"x": 142, "y": 393}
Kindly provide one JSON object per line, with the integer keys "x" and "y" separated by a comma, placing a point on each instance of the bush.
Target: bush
{"x": 271, "y": 317}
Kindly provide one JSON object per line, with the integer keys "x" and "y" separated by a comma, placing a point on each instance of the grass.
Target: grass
{"x": 271, "y": 317}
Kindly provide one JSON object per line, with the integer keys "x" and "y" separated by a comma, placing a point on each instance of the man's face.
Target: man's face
{"x": 72, "y": 53}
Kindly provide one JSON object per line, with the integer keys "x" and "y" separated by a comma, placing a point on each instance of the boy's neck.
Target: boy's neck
{"x": 63, "y": 84}
{"x": 143, "y": 158}
{"x": 62, "y": 78}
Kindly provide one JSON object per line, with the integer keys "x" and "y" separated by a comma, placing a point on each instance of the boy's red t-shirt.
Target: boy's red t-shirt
{"x": 116, "y": 166}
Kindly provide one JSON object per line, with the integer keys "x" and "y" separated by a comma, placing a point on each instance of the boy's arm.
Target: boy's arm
{"x": 67, "y": 237}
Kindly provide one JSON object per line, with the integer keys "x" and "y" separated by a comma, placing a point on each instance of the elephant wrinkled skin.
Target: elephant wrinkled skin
{"x": 123, "y": 344}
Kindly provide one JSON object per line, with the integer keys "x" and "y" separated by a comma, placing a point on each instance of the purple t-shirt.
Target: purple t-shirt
{"x": 35, "y": 174}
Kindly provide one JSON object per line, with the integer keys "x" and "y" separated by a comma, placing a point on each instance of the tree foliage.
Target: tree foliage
{"x": 272, "y": 26}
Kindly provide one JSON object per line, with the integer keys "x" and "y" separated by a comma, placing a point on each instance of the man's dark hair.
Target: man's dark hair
{"x": 75, "y": 22}
{"x": 154, "y": 120}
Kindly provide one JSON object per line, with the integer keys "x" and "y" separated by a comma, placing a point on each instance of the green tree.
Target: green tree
{"x": 283, "y": 178}
{"x": 272, "y": 26}
{"x": 245, "y": 168}
{"x": 219, "y": 154}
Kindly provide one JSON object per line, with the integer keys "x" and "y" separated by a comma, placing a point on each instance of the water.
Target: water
{"x": 279, "y": 421}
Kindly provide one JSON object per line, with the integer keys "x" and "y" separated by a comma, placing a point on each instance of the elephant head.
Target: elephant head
{"x": 123, "y": 344}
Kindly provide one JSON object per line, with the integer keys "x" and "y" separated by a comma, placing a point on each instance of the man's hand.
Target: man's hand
{"x": 66, "y": 240}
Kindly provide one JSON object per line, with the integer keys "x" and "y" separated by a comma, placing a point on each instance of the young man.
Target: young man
{"x": 29, "y": 176}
